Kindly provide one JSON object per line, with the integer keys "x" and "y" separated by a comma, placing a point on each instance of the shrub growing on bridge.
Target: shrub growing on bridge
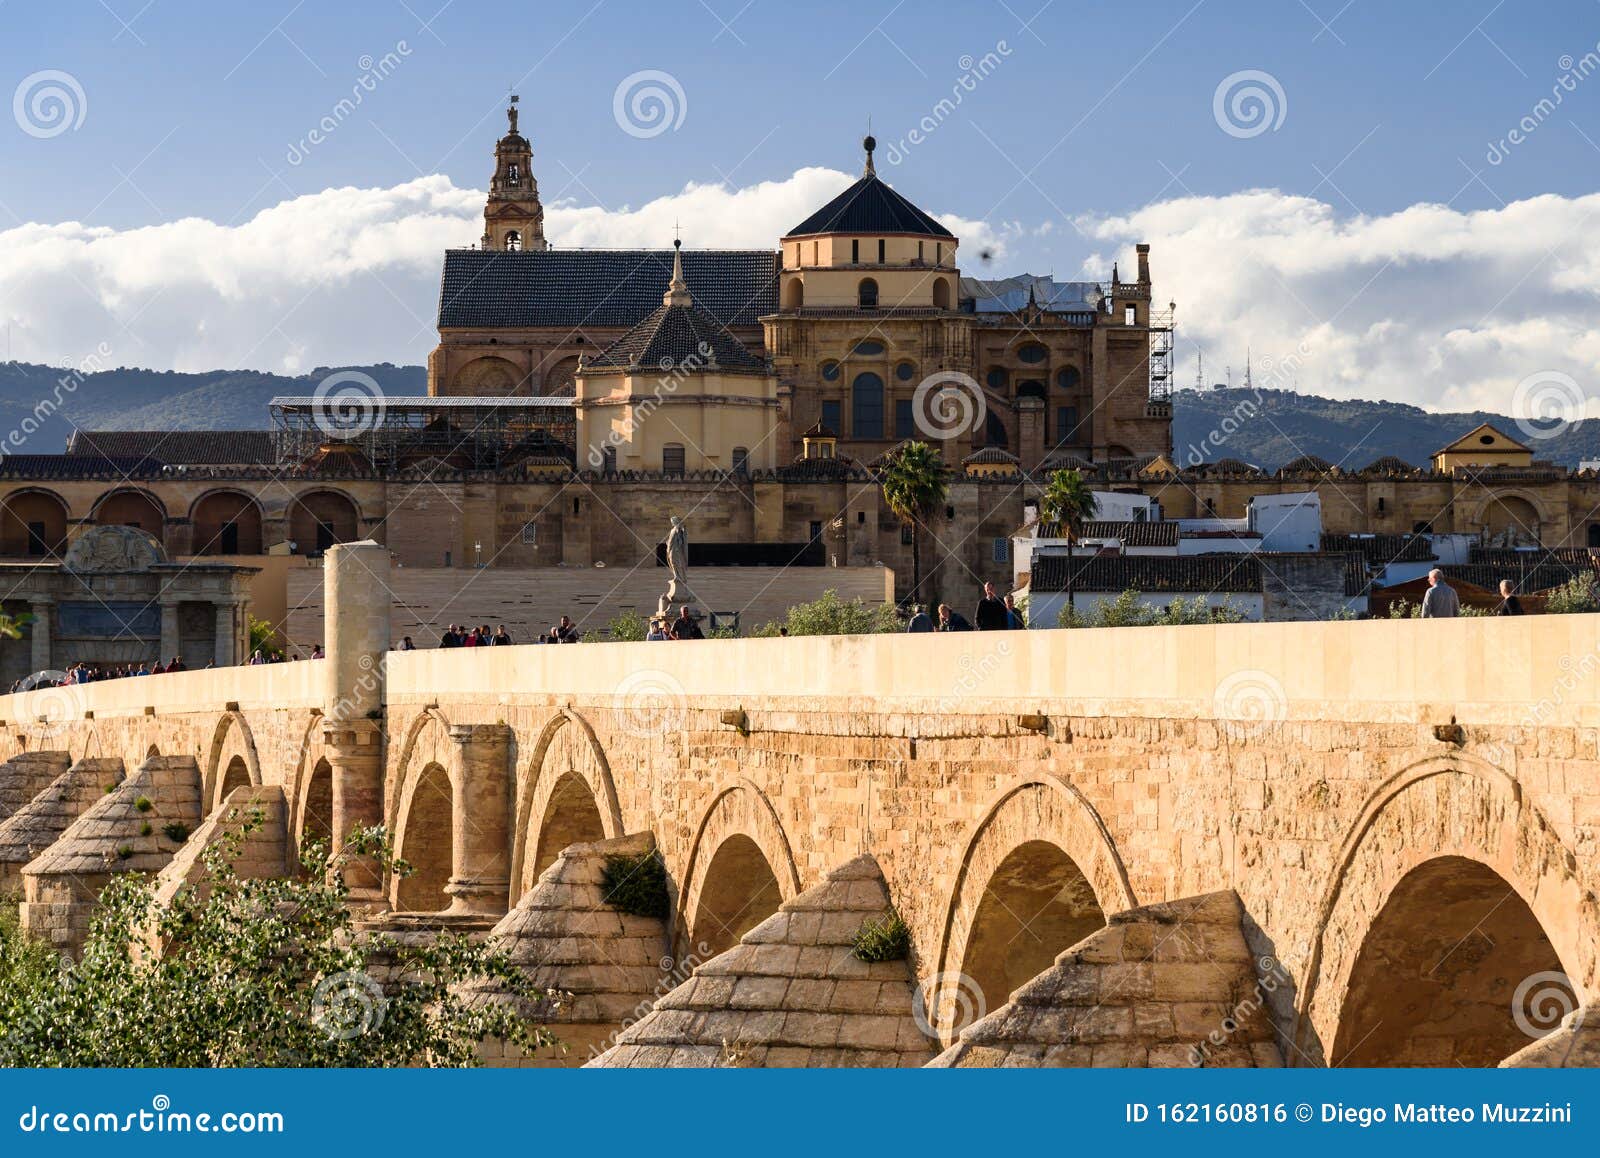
{"x": 637, "y": 885}
{"x": 1127, "y": 610}
{"x": 830, "y": 615}
{"x": 267, "y": 972}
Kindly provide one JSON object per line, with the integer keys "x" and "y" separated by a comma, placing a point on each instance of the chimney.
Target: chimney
{"x": 1143, "y": 250}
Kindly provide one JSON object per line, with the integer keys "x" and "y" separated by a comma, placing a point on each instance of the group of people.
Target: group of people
{"x": 87, "y": 673}
{"x": 993, "y": 613}
{"x": 1441, "y": 601}
{"x": 261, "y": 656}
{"x": 683, "y": 627}
{"x": 460, "y": 635}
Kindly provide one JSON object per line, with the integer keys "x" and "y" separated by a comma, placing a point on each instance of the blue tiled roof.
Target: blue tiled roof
{"x": 585, "y": 287}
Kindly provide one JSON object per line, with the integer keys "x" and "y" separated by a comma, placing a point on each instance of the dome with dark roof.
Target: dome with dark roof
{"x": 1390, "y": 464}
{"x": 869, "y": 206}
{"x": 1306, "y": 462}
{"x": 680, "y": 336}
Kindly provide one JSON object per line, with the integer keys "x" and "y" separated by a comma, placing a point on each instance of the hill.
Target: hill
{"x": 132, "y": 399}
{"x": 1270, "y": 427}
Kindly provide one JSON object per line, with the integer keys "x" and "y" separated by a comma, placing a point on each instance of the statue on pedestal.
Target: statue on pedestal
{"x": 677, "y": 592}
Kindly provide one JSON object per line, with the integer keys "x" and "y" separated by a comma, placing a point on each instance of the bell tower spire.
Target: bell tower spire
{"x": 513, "y": 218}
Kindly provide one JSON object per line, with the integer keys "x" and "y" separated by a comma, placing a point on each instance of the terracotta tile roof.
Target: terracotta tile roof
{"x": 1186, "y": 574}
{"x": 991, "y": 454}
{"x": 1381, "y": 550}
{"x": 1525, "y": 578}
{"x": 1306, "y": 462}
{"x": 1389, "y": 464}
{"x": 575, "y": 287}
{"x": 176, "y": 447}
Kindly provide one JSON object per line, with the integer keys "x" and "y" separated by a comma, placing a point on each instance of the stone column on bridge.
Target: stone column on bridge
{"x": 356, "y": 582}
{"x": 227, "y": 635}
{"x": 480, "y": 822}
{"x": 169, "y": 629}
{"x": 40, "y": 633}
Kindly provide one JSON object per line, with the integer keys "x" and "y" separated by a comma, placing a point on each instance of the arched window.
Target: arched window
{"x": 1030, "y": 389}
{"x": 513, "y": 240}
{"x": 513, "y": 175}
{"x": 794, "y": 294}
{"x": 867, "y": 294}
{"x": 941, "y": 294}
{"x": 866, "y": 406}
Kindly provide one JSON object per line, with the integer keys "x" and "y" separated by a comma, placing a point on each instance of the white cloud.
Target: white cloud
{"x": 345, "y": 275}
{"x": 1430, "y": 305}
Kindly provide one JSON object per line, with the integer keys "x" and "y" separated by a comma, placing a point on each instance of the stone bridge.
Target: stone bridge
{"x": 1310, "y": 844}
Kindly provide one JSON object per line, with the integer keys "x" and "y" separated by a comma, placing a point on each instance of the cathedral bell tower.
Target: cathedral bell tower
{"x": 513, "y": 218}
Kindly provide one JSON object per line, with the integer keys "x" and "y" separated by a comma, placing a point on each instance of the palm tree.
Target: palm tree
{"x": 914, "y": 488}
{"x": 1068, "y": 500}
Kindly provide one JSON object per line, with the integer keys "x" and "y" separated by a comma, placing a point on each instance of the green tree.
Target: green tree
{"x": 914, "y": 488}
{"x": 830, "y": 615}
{"x": 1130, "y": 610}
{"x": 252, "y": 972}
{"x": 264, "y": 637}
{"x": 626, "y": 627}
{"x": 1068, "y": 500}
{"x": 1577, "y": 595}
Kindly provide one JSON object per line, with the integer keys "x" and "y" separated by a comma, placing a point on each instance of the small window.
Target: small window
{"x": 577, "y": 506}
{"x": 1033, "y": 353}
{"x": 867, "y": 349}
{"x": 672, "y": 458}
{"x": 513, "y": 240}
{"x": 855, "y": 253}
{"x": 1067, "y": 378}
{"x": 530, "y": 534}
{"x": 1001, "y": 550}
{"x": 741, "y": 460}
{"x": 904, "y": 423}
{"x": 861, "y": 518}
{"x": 919, "y": 253}
{"x": 816, "y": 530}
{"x": 905, "y": 371}
{"x": 881, "y": 251}
{"x": 938, "y": 253}
{"x": 813, "y": 253}
{"x": 867, "y": 294}
{"x": 513, "y": 175}
{"x": 608, "y": 460}
{"x": 1067, "y": 423}
{"x": 830, "y": 371}
{"x": 1130, "y": 315}
{"x": 907, "y": 532}
{"x": 1380, "y": 504}
{"x": 833, "y": 414}
{"x": 1486, "y": 439}
{"x": 997, "y": 378}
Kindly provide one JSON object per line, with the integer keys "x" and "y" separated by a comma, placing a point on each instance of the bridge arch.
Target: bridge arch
{"x": 565, "y": 794}
{"x": 1039, "y": 873}
{"x": 740, "y": 869}
{"x": 421, "y": 814}
{"x": 313, "y": 788}
{"x": 1455, "y": 890}
{"x": 232, "y": 755}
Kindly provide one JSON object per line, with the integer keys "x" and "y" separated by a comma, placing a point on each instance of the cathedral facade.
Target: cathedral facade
{"x": 853, "y": 310}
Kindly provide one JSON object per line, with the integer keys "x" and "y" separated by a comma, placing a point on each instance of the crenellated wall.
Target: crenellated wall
{"x": 1376, "y": 793}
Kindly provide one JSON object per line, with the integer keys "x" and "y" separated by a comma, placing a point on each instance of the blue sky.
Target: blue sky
{"x": 1093, "y": 112}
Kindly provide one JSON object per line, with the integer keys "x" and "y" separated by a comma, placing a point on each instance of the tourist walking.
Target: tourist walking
{"x": 952, "y": 620}
{"x": 501, "y": 637}
{"x": 1441, "y": 601}
{"x": 684, "y": 627}
{"x": 1509, "y": 603}
{"x": 1014, "y": 620}
{"x": 920, "y": 620}
{"x": 991, "y": 612}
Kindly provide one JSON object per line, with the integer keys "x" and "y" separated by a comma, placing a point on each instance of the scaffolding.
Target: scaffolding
{"x": 393, "y": 432}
